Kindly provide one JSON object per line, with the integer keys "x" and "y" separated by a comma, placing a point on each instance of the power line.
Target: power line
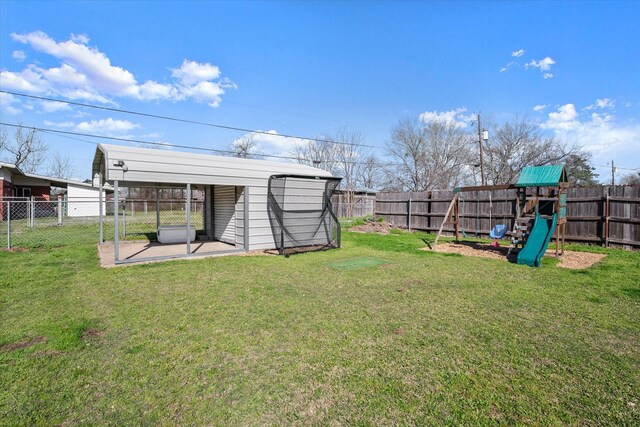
{"x": 137, "y": 141}
{"x": 176, "y": 119}
{"x": 617, "y": 167}
{"x": 65, "y": 134}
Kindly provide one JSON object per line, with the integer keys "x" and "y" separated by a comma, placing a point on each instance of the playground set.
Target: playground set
{"x": 540, "y": 211}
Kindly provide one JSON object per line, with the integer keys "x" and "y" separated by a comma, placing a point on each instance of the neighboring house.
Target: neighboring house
{"x": 16, "y": 185}
{"x": 358, "y": 202}
{"x": 83, "y": 200}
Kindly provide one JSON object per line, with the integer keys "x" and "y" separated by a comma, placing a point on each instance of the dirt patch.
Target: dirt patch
{"x": 577, "y": 260}
{"x": 12, "y": 346}
{"x": 14, "y": 249}
{"x": 472, "y": 249}
{"x": 570, "y": 259}
{"x": 378, "y": 227}
{"x": 90, "y": 333}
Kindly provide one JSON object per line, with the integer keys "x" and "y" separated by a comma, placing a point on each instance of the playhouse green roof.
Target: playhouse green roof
{"x": 542, "y": 176}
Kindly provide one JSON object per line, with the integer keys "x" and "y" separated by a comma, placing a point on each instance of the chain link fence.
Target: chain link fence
{"x": 40, "y": 223}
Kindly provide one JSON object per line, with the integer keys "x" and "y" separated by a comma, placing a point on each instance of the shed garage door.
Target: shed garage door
{"x": 224, "y": 213}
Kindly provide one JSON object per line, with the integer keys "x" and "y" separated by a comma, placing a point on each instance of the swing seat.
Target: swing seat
{"x": 498, "y": 231}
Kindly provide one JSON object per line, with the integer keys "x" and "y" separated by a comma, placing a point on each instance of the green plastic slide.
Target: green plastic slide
{"x": 538, "y": 241}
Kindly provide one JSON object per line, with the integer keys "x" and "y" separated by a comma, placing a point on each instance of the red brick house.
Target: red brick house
{"x": 15, "y": 183}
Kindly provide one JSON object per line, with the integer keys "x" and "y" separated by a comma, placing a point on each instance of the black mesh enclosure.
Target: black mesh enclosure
{"x": 301, "y": 214}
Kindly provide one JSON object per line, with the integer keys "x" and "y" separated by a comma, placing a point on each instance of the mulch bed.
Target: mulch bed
{"x": 570, "y": 259}
{"x": 378, "y": 227}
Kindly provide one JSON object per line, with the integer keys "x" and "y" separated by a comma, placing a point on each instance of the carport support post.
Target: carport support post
{"x": 116, "y": 239}
{"x": 188, "y": 211}
{"x": 100, "y": 209}
{"x": 157, "y": 210}
{"x": 246, "y": 218}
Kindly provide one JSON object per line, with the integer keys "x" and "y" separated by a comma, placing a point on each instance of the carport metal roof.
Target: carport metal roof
{"x": 134, "y": 166}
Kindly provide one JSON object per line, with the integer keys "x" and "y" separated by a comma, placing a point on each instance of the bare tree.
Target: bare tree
{"x": 427, "y": 156}
{"x": 371, "y": 173}
{"x": 27, "y": 151}
{"x": 60, "y": 166}
{"x": 516, "y": 144}
{"x": 3, "y": 139}
{"x": 408, "y": 148}
{"x": 246, "y": 147}
{"x": 342, "y": 154}
{"x": 317, "y": 152}
{"x": 631, "y": 179}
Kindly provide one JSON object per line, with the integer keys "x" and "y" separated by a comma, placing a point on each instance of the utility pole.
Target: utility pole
{"x": 480, "y": 144}
{"x": 613, "y": 174}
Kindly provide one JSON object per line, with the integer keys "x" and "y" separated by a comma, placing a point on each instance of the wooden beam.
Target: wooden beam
{"x": 486, "y": 188}
{"x": 446, "y": 216}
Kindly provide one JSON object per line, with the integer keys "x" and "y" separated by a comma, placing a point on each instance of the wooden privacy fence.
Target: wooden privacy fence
{"x": 606, "y": 215}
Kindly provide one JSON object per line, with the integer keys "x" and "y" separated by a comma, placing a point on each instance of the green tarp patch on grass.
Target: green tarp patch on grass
{"x": 356, "y": 263}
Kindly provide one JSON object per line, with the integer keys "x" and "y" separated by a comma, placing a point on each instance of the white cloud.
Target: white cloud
{"x": 602, "y": 134}
{"x": 95, "y": 64}
{"x": 539, "y": 107}
{"x": 518, "y": 53}
{"x": 6, "y": 104}
{"x": 544, "y": 65}
{"x": 454, "y": 116}
{"x": 506, "y": 67}
{"x": 273, "y": 143}
{"x": 59, "y": 124}
{"x": 80, "y": 38}
{"x": 204, "y": 91}
{"x": 606, "y": 103}
{"x": 106, "y": 126}
{"x": 19, "y": 55}
{"x": 563, "y": 119}
{"x": 52, "y": 106}
{"x": 602, "y": 103}
{"x": 151, "y": 90}
{"x": 87, "y": 73}
{"x": 191, "y": 72}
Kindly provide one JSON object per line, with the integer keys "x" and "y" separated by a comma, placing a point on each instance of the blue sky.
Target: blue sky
{"x": 308, "y": 68}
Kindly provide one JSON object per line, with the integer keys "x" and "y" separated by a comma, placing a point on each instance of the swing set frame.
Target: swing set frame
{"x": 527, "y": 205}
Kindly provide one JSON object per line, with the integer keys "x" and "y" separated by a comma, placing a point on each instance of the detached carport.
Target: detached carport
{"x": 235, "y": 212}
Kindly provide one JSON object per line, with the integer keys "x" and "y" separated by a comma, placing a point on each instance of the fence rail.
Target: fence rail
{"x": 606, "y": 215}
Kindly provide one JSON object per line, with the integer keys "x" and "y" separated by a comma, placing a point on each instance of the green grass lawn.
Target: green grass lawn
{"x": 424, "y": 339}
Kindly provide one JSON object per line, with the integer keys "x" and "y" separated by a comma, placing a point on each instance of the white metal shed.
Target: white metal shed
{"x": 235, "y": 188}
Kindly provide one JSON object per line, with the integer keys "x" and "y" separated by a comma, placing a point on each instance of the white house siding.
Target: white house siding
{"x": 83, "y": 201}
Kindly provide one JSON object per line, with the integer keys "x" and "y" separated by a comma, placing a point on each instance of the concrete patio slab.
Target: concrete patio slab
{"x": 145, "y": 252}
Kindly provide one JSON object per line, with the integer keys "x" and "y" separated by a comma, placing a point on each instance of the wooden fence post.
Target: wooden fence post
{"x": 607, "y": 213}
